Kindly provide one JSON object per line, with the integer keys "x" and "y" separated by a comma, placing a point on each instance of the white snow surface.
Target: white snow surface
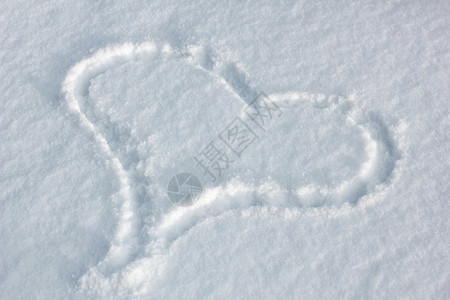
{"x": 342, "y": 195}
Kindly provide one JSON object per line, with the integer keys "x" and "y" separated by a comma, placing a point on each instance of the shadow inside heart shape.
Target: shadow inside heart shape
{"x": 152, "y": 109}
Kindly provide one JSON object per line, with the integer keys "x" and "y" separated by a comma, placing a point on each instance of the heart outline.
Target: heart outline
{"x": 126, "y": 244}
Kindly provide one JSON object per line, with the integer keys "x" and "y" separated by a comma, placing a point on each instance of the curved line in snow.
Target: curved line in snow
{"x": 217, "y": 200}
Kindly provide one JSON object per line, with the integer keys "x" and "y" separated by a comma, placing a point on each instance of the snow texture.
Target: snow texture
{"x": 342, "y": 193}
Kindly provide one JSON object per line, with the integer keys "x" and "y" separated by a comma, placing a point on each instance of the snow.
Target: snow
{"x": 343, "y": 193}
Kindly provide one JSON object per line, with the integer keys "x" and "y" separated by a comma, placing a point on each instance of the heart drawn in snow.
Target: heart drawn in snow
{"x": 152, "y": 110}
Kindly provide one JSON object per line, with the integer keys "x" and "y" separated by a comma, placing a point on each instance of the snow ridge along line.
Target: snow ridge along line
{"x": 75, "y": 88}
{"x": 380, "y": 150}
